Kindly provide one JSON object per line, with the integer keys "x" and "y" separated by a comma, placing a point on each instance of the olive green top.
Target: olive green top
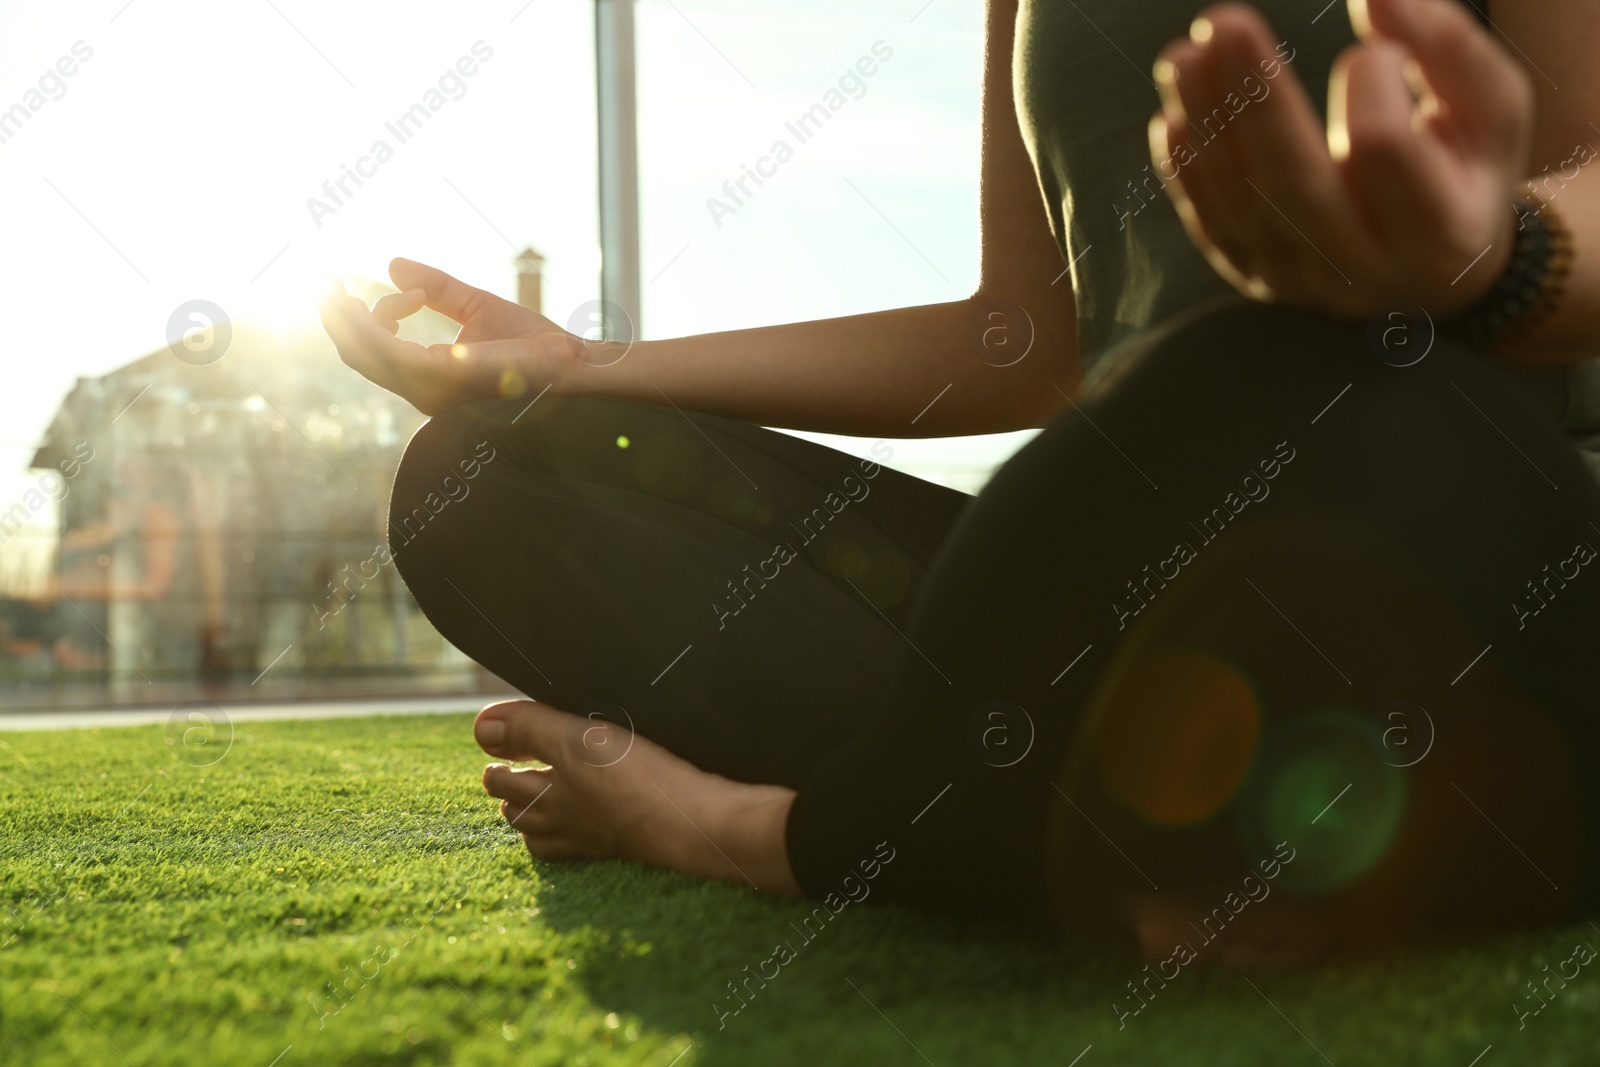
{"x": 1083, "y": 80}
{"x": 1085, "y": 92}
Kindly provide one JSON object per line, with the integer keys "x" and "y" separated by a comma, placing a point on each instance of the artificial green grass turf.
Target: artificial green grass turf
{"x": 153, "y": 912}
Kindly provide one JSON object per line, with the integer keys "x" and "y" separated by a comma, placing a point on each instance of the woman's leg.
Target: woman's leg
{"x": 1280, "y": 530}
{"x": 703, "y": 580}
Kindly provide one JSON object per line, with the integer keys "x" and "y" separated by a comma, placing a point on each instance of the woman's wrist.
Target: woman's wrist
{"x": 1527, "y": 289}
{"x": 585, "y": 367}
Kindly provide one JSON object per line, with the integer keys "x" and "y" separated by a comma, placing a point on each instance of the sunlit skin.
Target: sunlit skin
{"x": 646, "y": 805}
{"x": 1393, "y": 200}
{"x": 496, "y": 335}
{"x": 1434, "y": 127}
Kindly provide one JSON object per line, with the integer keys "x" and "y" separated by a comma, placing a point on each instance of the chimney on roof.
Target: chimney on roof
{"x": 530, "y": 279}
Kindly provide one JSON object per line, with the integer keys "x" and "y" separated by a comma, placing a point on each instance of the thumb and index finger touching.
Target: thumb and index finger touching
{"x": 448, "y": 295}
{"x": 366, "y": 339}
{"x": 1485, "y": 94}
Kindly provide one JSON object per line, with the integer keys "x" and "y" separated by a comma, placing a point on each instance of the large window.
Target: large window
{"x": 805, "y": 160}
{"x": 179, "y": 519}
{"x": 192, "y": 487}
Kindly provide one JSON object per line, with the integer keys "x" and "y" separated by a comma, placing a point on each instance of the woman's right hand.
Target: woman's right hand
{"x": 503, "y": 349}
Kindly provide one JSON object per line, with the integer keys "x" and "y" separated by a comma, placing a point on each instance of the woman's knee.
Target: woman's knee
{"x": 442, "y": 467}
{"x": 1235, "y": 370}
{"x": 455, "y": 442}
{"x": 1457, "y": 461}
{"x": 461, "y": 477}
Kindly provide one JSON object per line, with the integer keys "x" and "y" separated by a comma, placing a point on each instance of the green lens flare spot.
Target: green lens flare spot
{"x": 622, "y": 442}
{"x": 1322, "y": 786}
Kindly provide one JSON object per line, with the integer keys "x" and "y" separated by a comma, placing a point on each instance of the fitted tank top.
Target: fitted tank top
{"x": 1084, "y": 93}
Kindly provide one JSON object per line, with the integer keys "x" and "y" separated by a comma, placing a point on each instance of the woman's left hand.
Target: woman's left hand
{"x": 1402, "y": 196}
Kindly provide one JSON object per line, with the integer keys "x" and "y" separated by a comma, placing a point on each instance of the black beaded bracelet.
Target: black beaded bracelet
{"x": 1531, "y": 285}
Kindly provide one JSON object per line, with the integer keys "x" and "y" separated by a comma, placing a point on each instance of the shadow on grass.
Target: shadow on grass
{"x": 889, "y": 984}
{"x": 881, "y": 985}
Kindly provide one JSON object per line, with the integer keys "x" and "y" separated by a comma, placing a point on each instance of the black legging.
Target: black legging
{"x": 916, "y": 662}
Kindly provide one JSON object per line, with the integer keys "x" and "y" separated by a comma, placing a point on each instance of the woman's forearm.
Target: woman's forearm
{"x": 940, "y": 369}
{"x": 979, "y": 365}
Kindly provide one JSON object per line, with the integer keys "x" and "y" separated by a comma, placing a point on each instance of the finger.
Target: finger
{"x": 1487, "y": 99}
{"x": 1211, "y": 163}
{"x": 377, "y": 353}
{"x": 1173, "y": 147}
{"x": 1310, "y": 234}
{"x": 1275, "y": 113}
{"x": 390, "y": 309}
{"x": 1280, "y": 136}
{"x": 523, "y": 730}
{"x": 340, "y": 316}
{"x": 1394, "y": 172}
{"x": 1202, "y": 76}
{"x": 1198, "y": 207}
{"x": 1217, "y": 170}
{"x": 445, "y": 294}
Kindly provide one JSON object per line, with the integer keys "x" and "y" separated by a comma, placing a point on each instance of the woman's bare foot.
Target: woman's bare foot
{"x": 609, "y": 792}
{"x": 1265, "y": 933}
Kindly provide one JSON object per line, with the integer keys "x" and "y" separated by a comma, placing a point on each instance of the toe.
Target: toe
{"x": 524, "y": 785}
{"x": 521, "y": 730}
{"x": 520, "y": 793}
{"x": 554, "y": 848}
{"x": 527, "y": 817}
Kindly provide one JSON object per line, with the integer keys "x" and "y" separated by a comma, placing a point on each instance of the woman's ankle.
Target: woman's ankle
{"x": 739, "y": 835}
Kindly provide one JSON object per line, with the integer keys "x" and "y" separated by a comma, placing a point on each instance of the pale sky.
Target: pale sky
{"x": 175, "y": 163}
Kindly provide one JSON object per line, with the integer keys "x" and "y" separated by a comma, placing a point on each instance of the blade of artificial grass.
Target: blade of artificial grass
{"x": 341, "y": 892}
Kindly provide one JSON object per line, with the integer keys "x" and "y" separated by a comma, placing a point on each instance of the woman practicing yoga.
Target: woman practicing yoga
{"x": 1279, "y": 637}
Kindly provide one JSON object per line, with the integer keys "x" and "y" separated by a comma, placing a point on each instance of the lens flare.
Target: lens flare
{"x": 1177, "y": 737}
{"x": 1324, "y": 786}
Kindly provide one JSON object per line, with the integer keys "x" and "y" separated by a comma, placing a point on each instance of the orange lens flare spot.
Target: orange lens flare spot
{"x": 1177, "y": 737}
